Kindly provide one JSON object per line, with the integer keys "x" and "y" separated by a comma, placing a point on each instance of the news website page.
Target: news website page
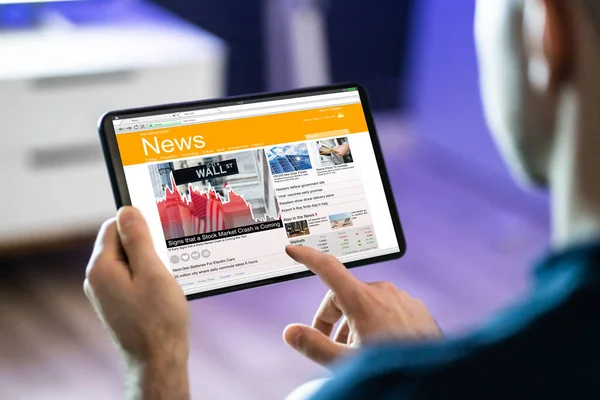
{"x": 225, "y": 189}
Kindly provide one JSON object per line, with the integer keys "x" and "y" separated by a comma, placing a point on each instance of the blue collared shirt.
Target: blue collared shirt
{"x": 546, "y": 347}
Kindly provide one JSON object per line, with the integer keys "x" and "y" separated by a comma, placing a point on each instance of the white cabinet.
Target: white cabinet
{"x": 55, "y": 84}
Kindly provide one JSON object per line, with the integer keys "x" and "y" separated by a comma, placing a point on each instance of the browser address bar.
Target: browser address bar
{"x": 272, "y": 110}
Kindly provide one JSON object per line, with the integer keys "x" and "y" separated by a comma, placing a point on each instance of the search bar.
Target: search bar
{"x": 327, "y": 134}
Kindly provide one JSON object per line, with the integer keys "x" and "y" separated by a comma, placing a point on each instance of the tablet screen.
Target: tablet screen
{"x": 225, "y": 187}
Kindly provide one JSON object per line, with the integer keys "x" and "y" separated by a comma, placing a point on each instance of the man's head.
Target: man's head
{"x": 532, "y": 54}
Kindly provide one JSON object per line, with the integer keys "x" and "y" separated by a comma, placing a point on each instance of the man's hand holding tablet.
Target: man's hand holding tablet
{"x": 141, "y": 306}
{"x": 146, "y": 312}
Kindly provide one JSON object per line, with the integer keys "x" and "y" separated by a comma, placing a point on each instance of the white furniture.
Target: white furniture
{"x": 55, "y": 82}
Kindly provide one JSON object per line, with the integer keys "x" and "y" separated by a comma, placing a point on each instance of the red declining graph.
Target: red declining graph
{"x": 203, "y": 211}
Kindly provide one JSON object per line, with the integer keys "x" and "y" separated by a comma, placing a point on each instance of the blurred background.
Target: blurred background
{"x": 471, "y": 232}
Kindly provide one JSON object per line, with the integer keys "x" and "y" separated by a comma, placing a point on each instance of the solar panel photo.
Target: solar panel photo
{"x": 289, "y": 158}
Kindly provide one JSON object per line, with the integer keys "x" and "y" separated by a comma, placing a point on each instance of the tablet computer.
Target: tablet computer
{"x": 226, "y": 184}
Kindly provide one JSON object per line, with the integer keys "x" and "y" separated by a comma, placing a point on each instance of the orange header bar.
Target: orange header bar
{"x": 239, "y": 134}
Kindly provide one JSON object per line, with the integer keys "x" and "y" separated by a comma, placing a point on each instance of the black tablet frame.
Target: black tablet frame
{"x": 121, "y": 192}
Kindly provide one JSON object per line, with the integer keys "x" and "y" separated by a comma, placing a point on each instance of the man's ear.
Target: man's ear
{"x": 549, "y": 38}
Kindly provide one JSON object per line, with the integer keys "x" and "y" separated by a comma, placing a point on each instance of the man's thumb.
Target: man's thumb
{"x": 313, "y": 344}
{"x": 135, "y": 238}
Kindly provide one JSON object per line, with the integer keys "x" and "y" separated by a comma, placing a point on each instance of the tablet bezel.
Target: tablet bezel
{"x": 116, "y": 172}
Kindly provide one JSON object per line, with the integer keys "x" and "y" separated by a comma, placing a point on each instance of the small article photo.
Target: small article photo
{"x": 342, "y": 220}
{"x": 288, "y": 158}
{"x": 331, "y": 152}
{"x": 297, "y": 228}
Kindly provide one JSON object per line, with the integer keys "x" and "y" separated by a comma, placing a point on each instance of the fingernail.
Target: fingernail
{"x": 297, "y": 339}
{"x": 127, "y": 216}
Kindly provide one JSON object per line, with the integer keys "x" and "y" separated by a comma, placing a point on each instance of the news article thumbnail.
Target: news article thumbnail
{"x": 288, "y": 158}
{"x": 297, "y": 228}
{"x": 342, "y": 220}
{"x": 215, "y": 193}
{"x": 331, "y": 152}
